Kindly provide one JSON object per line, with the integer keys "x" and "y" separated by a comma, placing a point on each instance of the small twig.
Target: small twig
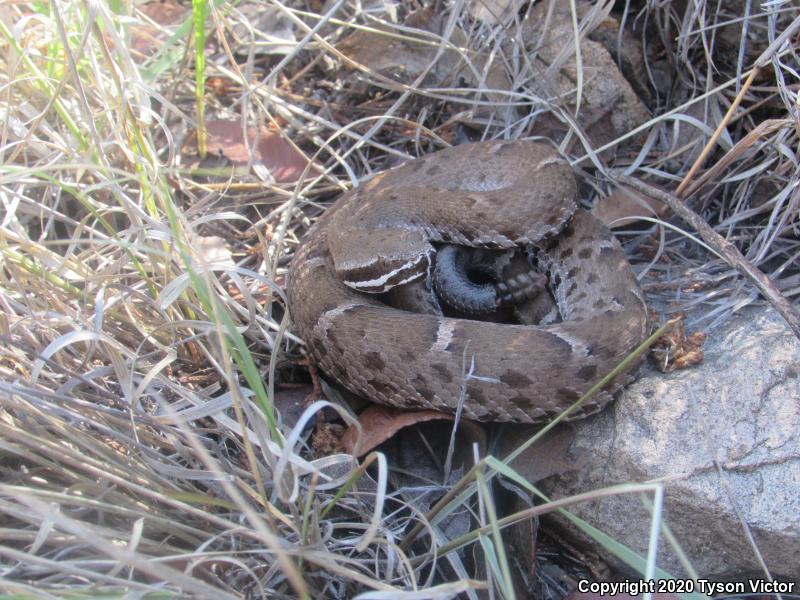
{"x": 717, "y": 133}
{"x": 762, "y": 130}
{"x": 760, "y": 63}
{"x": 725, "y": 249}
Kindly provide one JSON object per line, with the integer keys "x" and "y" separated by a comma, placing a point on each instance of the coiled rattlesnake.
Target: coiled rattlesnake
{"x": 501, "y": 195}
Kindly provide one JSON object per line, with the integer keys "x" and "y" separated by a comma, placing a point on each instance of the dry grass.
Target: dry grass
{"x": 141, "y": 450}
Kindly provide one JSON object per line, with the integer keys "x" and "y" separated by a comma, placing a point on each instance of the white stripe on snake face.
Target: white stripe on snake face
{"x": 444, "y": 335}
{"x": 378, "y": 285}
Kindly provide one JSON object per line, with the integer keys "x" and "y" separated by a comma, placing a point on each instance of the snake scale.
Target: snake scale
{"x": 499, "y": 195}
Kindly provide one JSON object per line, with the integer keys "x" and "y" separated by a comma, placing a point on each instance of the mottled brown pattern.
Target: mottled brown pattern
{"x": 526, "y": 195}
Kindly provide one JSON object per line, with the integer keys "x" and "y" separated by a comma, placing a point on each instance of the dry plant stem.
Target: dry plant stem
{"x": 717, "y": 133}
{"x": 761, "y": 131}
{"x": 534, "y": 511}
{"x": 724, "y": 248}
{"x": 760, "y": 62}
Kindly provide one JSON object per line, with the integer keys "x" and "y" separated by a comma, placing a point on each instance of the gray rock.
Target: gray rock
{"x": 723, "y": 437}
{"x": 405, "y": 59}
{"x": 609, "y": 107}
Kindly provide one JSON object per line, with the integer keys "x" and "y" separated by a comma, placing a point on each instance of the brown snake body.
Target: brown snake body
{"x": 501, "y": 195}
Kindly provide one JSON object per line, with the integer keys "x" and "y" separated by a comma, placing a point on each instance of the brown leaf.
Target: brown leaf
{"x": 165, "y": 12}
{"x": 379, "y": 423}
{"x": 146, "y": 39}
{"x": 548, "y": 456}
{"x": 284, "y": 162}
{"x": 624, "y": 206}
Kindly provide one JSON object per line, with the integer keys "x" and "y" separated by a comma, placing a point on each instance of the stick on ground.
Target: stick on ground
{"x": 725, "y": 248}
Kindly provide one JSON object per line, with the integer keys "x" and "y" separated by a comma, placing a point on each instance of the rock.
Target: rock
{"x": 723, "y": 437}
{"x": 624, "y": 48}
{"x": 262, "y": 30}
{"x": 687, "y": 140}
{"x": 406, "y": 57}
{"x": 402, "y": 56}
{"x": 492, "y": 12}
{"x": 609, "y": 107}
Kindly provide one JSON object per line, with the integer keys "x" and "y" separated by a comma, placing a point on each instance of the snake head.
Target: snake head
{"x": 374, "y": 261}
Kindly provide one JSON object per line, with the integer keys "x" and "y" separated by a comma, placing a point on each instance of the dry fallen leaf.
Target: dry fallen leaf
{"x": 284, "y": 162}
{"x": 624, "y": 206}
{"x": 379, "y": 423}
{"x": 147, "y": 39}
{"x": 549, "y": 456}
